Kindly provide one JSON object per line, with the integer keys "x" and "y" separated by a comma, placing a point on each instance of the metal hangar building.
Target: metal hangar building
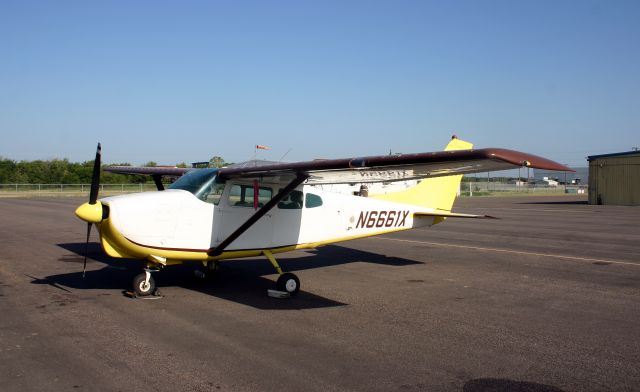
{"x": 615, "y": 178}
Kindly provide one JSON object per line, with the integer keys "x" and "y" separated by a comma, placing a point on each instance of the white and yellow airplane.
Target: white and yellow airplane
{"x": 250, "y": 209}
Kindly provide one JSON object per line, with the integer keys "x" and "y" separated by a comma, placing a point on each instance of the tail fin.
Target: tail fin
{"x": 438, "y": 192}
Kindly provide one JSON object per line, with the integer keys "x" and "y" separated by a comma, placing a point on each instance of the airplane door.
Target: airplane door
{"x": 237, "y": 208}
{"x": 287, "y": 220}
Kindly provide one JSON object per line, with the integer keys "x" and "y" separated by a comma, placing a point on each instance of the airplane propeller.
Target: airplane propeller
{"x": 93, "y": 198}
{"x": 95, "y": 177}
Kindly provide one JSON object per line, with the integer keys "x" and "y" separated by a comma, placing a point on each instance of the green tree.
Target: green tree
{"x": 7, "y": 171}
{"x": 57, "y": 171}
{"x": 217, "y": 162}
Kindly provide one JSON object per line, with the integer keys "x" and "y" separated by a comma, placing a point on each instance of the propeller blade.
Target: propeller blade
{"x": 86, "y": 249}
{"x": 95, "y": 178}
{"x": 93, "y": 198}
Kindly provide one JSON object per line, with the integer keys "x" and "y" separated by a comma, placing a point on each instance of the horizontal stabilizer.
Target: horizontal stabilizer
{"x": 446, "y": 214}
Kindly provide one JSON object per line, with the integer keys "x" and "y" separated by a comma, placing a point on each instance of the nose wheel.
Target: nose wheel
{"x": 144, "y": 284}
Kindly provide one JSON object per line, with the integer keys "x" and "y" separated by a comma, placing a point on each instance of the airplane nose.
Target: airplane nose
{"x": 92, "y": 213}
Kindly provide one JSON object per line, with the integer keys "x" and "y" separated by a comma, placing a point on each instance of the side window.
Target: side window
{"x": 242, "y": 195}
{"x": 215, "y": 194}
{"x": 292, "y": 202}
{"x": 312, "y": 201}
{"x": 264, "y": 195}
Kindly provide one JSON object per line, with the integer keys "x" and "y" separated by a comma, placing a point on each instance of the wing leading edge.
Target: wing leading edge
{"x": 374, "y": 168}
{"x": 149, "y": 171}
{"x": 398, "y": 167}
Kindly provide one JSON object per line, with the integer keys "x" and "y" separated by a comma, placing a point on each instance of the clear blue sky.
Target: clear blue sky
{"x": 185, "y": 80}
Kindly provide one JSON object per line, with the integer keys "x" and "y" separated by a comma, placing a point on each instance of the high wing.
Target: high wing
{"x": 372, "y": 168}
{"x": 150, "y": 171}
{"x": 155, "y": 172}
{"x": 396, "y": 167}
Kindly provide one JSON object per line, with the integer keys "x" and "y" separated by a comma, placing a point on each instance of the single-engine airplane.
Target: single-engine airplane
{"x": 260, "y": 209}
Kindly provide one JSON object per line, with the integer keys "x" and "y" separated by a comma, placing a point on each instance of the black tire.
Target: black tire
{"x": 140, "y": 288}
{"x": 289, "y": 283}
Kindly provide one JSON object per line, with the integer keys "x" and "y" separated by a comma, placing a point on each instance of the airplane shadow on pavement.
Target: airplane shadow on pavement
{"x": 240, "y": 280}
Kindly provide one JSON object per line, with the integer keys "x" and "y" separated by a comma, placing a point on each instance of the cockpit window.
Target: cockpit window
{"x": 243, "y": 195}
{"x": 217, "y": 188}
{"x": 202, "y": 183}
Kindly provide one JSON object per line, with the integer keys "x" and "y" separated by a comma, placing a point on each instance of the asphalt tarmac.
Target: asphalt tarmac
{"x": 545, "y": 299}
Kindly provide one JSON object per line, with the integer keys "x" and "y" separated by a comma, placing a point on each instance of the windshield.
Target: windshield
{"x": 200, "y": 182}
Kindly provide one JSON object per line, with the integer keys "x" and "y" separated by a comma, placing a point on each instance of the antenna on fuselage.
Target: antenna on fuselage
{"x": 285, "y": 154}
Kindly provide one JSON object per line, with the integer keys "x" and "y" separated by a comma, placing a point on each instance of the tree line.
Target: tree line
{"x": 61, "y": 171}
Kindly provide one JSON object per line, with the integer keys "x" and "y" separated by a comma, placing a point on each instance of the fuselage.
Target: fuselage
{"x": 178, "y": 225}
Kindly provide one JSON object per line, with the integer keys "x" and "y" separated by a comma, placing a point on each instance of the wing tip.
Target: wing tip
{"x": 527, "y": 160}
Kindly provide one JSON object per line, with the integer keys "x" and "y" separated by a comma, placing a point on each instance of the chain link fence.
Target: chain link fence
{"x": 483, "y": 188}
{"x": 70, "y": 189}
{"x": 467, "y": 188}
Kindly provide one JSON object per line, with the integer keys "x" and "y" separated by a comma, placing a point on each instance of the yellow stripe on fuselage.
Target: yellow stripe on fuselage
{"x": 117, "y": 245}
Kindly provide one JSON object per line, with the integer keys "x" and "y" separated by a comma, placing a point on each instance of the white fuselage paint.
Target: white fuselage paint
{"x": 176, "y": 219}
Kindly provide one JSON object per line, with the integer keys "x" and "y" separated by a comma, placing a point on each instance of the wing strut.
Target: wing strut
{"x": 157, "y": 178}
{"x": 284, "y": 192}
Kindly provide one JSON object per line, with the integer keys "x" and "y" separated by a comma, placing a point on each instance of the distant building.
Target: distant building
{"x": 579, "y": 177}
{"x": 615, "y": 178}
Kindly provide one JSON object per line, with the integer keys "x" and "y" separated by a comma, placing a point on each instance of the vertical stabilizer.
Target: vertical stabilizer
{"x": 437, "y": 192}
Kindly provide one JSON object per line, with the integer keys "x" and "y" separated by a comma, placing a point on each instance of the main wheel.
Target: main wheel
{"x": 141, "y": 287}
{"x": 288, "y": 282}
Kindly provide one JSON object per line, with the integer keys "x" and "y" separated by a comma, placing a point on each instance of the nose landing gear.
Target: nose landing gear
{"x": 144, "y": 284}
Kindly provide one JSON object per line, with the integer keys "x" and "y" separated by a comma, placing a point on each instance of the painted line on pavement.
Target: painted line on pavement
{"x": 575, "y": 258}
{"x": 528, "y": 209}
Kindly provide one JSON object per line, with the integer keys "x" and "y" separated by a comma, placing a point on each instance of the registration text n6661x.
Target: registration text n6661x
{"x": 370, "y": 219}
